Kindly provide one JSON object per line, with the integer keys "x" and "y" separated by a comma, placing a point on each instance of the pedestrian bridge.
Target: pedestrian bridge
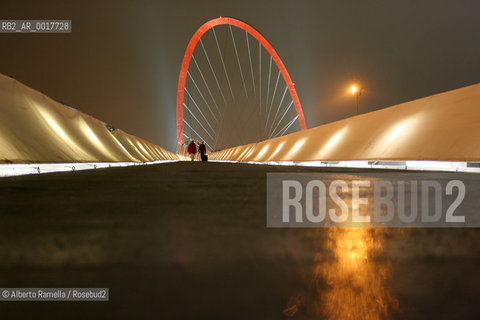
{"x": 235, "y": 94}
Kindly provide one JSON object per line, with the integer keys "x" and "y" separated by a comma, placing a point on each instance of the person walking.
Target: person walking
{"x": 192, "y": 150}
{"x": 203, "y": 151}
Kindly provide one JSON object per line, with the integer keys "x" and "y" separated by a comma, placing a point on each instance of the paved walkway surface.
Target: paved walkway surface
{"x": 189, "y": 241}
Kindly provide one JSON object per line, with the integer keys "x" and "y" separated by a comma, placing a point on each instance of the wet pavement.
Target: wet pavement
{"x": 189, "y": 241}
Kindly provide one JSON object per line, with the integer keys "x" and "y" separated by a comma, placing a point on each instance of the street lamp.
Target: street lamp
{"x": 356, "y": 92}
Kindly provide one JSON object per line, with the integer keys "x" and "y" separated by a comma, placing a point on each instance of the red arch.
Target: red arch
{"x": 242, "y": 25}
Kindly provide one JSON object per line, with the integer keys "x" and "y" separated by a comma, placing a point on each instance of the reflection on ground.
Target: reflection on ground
{"x": 349, "y": 278}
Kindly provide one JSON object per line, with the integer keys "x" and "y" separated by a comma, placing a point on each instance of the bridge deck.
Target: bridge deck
{"x": 188, "y": 240}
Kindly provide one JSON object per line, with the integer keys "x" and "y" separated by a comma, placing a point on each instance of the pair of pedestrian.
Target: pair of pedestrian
{"x": 202, "y": 149}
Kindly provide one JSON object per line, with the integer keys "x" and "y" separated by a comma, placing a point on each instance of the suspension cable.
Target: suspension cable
{"x": 223, "y": 63}
{"x": 188, "y": 109}
{"x": 268, "y": 86}
{"x": 251, "y": 67}
{"x": 204, "y": 81}
{"x": 188, "y": 93}
{"x": 238, "y": 60}
{"x": 260, "y": 74}
{"x": 273, "y": 98}
{"x": 282, "y": 132}
{"x": 283, "y": 116}
{"x": 278, "y": 108}
{"x": 211, "y": 68}
{"x": 197, "y": 133}
{"x": 208, "y": 106}
{"x": 274, "y": 92}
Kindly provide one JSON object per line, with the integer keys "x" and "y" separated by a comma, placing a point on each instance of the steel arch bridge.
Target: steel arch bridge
{"x": 184, "y": 73}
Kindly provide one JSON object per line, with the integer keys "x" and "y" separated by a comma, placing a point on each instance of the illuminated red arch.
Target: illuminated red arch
{"x": 242, "y": 25}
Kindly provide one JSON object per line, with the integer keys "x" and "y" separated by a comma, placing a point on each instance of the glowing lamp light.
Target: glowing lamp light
{"x": 354, "y": 90}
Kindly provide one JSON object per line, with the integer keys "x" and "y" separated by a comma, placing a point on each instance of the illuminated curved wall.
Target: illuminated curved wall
{"x": 35, "y": 128}
{"x": 443, "y": 127}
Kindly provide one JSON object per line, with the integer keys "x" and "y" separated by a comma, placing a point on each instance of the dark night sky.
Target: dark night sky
{"x": 121, "y": 62}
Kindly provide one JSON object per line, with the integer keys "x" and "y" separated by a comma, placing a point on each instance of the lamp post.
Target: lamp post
{"x": 356, "y": 92}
